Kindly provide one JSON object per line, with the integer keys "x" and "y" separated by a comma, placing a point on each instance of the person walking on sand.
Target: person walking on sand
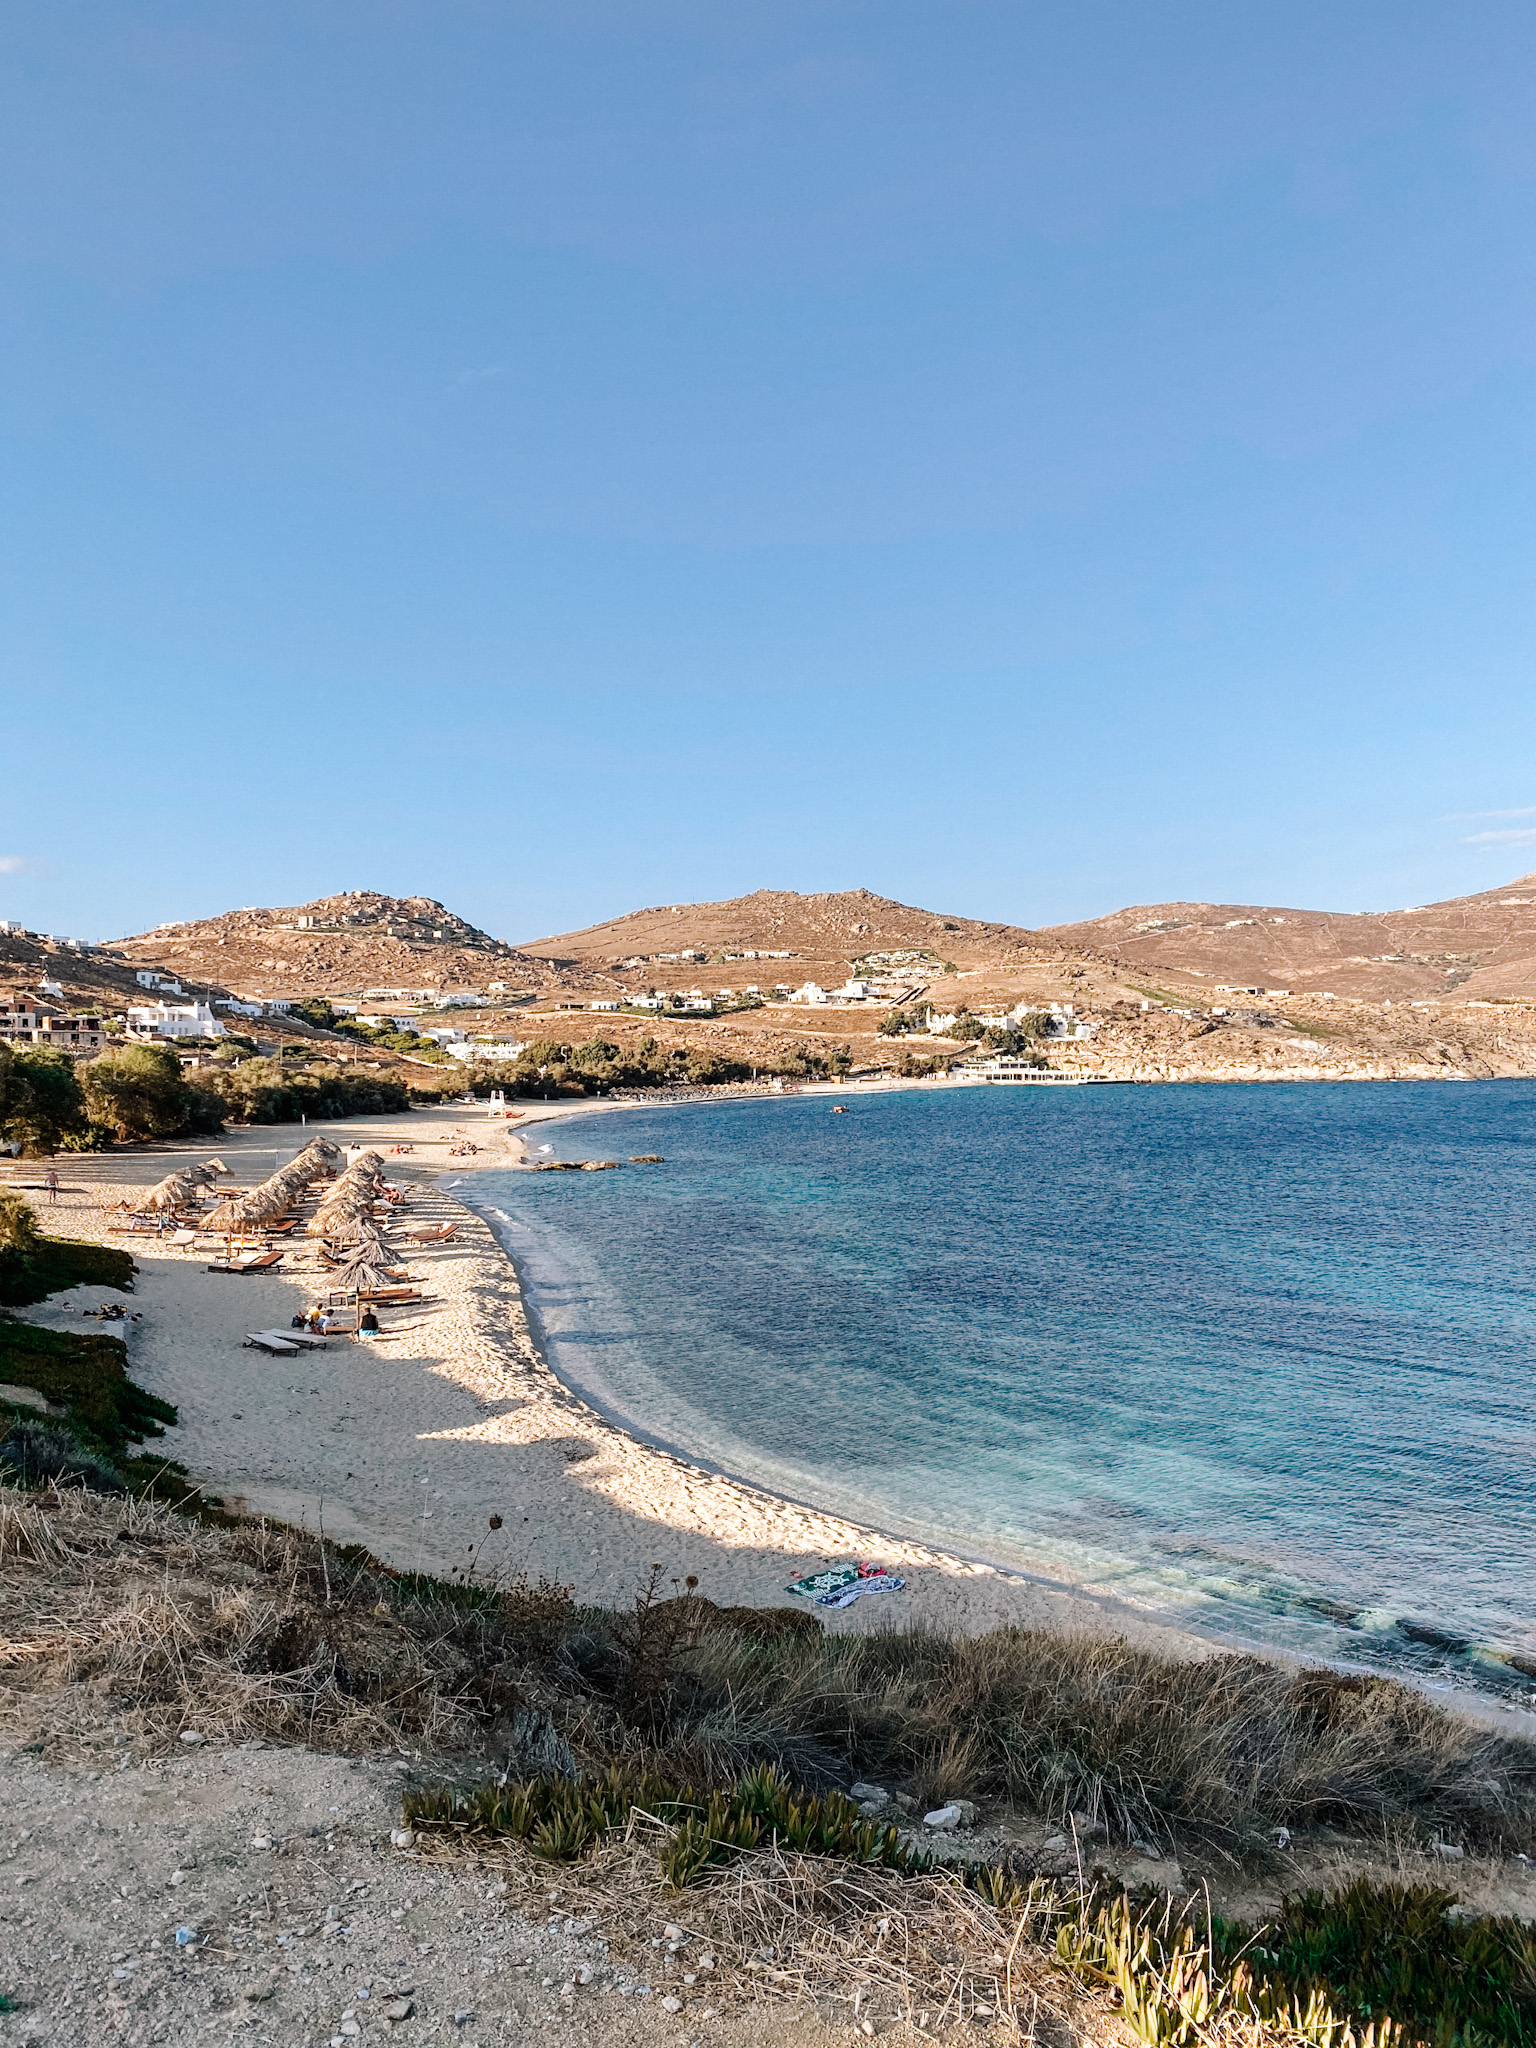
{"x": 52, "y": 1185}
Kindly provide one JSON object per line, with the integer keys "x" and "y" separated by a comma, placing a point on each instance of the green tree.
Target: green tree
{"x": 317, "y": 1011}
{"x": 18, "y": 1224}
{"x": 41, "y": 1104}
{"x": 138, "y": 1091}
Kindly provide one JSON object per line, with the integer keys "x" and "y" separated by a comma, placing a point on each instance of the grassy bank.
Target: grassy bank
{"x": 689, "y": 1748}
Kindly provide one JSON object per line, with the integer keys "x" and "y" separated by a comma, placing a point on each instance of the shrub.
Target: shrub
{"x": 137, "y": 1091}
{"x": 88, "y": 1378}
{"x": 40, "y": 1266}
{"x": 34, "y": 1452}
{"x": 264, "y": 1091}
{"x": 41, "y": 1104}
{"x": 561, "y": 1820}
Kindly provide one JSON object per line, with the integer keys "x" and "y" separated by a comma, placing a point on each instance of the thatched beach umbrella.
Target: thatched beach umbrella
{"x": 206, "y": 1174}
{"x": 361, "y": 1229}
{"x": 174, "y": 1192}
{"x": 363, "y": 1272}
{"x": 344, "y": 1206}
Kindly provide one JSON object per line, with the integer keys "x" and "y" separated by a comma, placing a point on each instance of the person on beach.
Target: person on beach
{"x": 367, "y": 1324}
{"x": 52, "y": 1185}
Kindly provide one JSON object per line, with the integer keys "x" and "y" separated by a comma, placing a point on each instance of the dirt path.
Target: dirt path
{"x": 318, "y": 1938}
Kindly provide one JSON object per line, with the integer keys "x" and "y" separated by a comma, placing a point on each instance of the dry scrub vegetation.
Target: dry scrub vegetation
{"x": 118, "y": 1609}
{"x": 120, "y": 1618}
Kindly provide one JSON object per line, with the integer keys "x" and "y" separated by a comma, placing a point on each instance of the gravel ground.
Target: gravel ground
{"x": 327, "y": 1936}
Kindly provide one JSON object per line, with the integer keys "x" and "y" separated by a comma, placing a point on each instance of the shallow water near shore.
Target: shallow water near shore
{"x": 1258, "y": 1360}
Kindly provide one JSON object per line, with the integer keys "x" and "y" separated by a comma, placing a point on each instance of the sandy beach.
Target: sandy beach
{"x": 410, "y": 1443}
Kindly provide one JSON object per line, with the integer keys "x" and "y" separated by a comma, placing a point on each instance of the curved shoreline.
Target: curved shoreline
{"x": 408, "y": 1444}
{"x": 1458, "y": 1688}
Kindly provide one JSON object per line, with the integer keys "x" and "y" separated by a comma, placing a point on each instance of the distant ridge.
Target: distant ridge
{"x": 1470, "y": 946}
{"x": 359, "y": 939}
{"x": 831, "y": 925}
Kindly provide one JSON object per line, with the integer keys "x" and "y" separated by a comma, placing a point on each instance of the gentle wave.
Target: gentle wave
{"x": 1256, "y": 1359}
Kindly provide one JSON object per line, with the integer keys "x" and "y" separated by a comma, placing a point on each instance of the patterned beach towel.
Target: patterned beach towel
{"x": 841, "y": 1584}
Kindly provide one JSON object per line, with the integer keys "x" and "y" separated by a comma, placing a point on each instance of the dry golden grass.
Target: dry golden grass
{"x": 116, "y": 1609}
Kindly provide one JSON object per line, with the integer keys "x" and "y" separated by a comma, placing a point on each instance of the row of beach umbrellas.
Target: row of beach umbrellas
{"x": 351, "y": 1199}
{"x": 319, "y": 1159}
{"x": 178, "y": 1189}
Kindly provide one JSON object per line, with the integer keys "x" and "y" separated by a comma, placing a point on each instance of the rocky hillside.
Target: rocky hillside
{"x": 1472, "y": 946}
{"x": 336, "y": 945}
{"x": 779, "y": 935}
{"x": 89, "y": 978}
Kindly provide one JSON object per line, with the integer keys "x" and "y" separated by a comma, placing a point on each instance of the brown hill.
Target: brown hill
{"x": 88, "y": 976}
{"x": 1474, "y": 946}
{"x": 797, "y": 938}
{"x": 334, "y": 946}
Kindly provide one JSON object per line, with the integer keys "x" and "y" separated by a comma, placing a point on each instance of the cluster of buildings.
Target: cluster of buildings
{"x": 12, "y": 930}
{"x": 26, "y": 1021}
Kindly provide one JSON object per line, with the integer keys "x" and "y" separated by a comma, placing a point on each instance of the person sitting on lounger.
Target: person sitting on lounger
{"x": 367, "y": 1324}
{"x": 323, "y": 1323}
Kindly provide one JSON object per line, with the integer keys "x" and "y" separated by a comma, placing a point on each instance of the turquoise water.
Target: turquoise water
{"x": 1259, "y": 1359}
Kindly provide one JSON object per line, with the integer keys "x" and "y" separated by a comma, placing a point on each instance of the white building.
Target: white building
{"x": 465, "y": 999}
{"x": 605, "y": 1006}
{"x": 173, "y": 1020}
{"x": 812, "y": 993}
{"x": 486, "y": 1049}
{"x": 240, "y": 1008}
{"x": 151, "y": 977}
{"x": 448, "y": 1035}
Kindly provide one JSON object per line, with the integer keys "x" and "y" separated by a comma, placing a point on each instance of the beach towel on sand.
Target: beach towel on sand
{"x": 841, "y": 1584}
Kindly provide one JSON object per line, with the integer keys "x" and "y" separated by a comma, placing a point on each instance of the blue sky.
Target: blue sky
{"x": 1021, "y": 459}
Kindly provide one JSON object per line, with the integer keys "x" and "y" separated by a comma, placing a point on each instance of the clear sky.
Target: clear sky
{"x": 1020, "y": 458}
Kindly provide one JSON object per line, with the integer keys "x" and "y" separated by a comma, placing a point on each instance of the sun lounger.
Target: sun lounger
{"x": 274, "y": 1346}
{"x": 390, "y": 1295}
{"x": 249, "y": 1262}
{"x": 182, "y": 1238}
{"x": 438, "y": 1234}
{"x": 301, "y": 1340}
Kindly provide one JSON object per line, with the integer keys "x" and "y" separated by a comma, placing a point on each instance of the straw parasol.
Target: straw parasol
{"x": 362, "y": 1273}
{"x": 362, "y": 1229}
{"x": 174, "y": 1192}
{"x": 205, "y": 1175}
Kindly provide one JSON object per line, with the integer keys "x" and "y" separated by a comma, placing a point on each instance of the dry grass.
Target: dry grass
{"x": 119, "y": 1611}
{"x": 781, "y": 1930}
{"x": 878, "y": 1949}
{"x": 1141, "y": 1744}
{"x": 118, "y": 1607}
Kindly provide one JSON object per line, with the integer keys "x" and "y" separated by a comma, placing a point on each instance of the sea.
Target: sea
{"x": 1258, "y": 1361}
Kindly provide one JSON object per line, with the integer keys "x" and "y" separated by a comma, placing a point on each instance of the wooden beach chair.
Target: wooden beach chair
{"x": 297, "y": 1340}
{"x": 438, "y": 1233}
{"x": 391, "y": 1297}
{"x": 274, "y": 1345}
